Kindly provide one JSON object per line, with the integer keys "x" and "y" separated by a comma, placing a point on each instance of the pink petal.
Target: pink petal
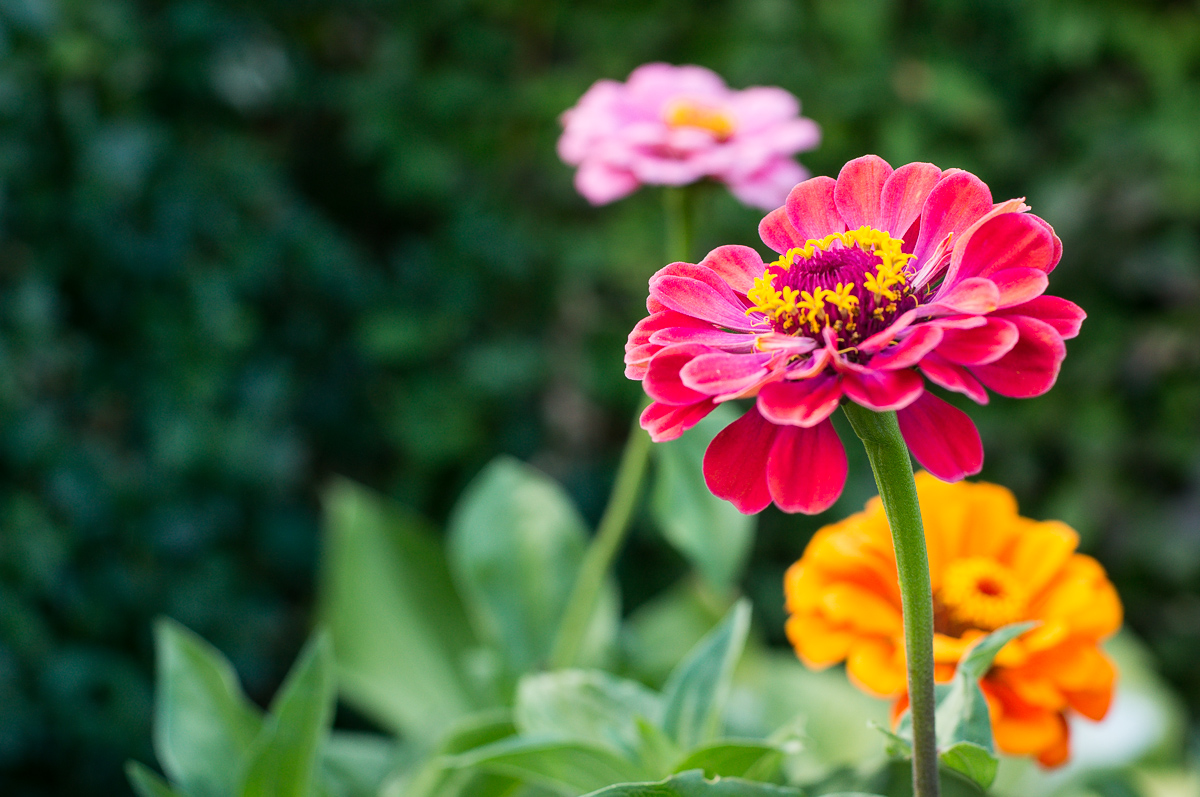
{"x": 1031, "y": 367}
{"x": 957, "y": 200}
{"x": 803, "y": 402}
{"x": 946, "y": 374}
{"x": 667, "y": 422}
{"x": 857, "y": 191}
{"x": 812, "y": 211}
{"x": 1066, "y": 317}
{"x": 806, "y": 469}
{"x": 719, "y": 373}
{"x": 736, "y": 265}
{"x": 972, "y": 296}
{"x": 735, "y": 464}
{"x": 909, "y": 351}
{"x": 1057, "y": 254}
{"x": 942, "y": 438}
{"x": 881, "y": 339}
{"x": 700, "y": 300}
{"x": 1019, "y": 285}
{"x": 706, "y": 334}
{"x": 777, "y": 232}
{"x": 882, "y": 390}
{"x": 1007, "y": 240}
{"x": 903, "y": 196}
{"x": 980, "y": 345}
{"x": 663, "y": 383}
{"x": 600, "y": 183}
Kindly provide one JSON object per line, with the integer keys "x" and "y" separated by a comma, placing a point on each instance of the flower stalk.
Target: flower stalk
{"x": 889, "y": 457}
{"x": 614, "y": 523}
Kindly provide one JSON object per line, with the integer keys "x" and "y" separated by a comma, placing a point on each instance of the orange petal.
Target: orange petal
{"x": 1040, "y": 552}
{"x": 875, "y": 666}
{"x": 817, "y": 642}
{"x": 1057, "y": 754}
{"x": 854, "y": 607}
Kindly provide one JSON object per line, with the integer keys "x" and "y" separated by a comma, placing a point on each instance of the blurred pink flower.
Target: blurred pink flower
{"x": 673, "y": 125}
{"x": 887, "y": 278}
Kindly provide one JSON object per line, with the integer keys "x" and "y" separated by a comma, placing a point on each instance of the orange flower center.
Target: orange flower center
{"x": 683, "y": 112}
{"x": 979, "y": 592}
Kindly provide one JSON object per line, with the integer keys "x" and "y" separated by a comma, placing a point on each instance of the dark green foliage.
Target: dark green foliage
{"x": 247, "y": 246}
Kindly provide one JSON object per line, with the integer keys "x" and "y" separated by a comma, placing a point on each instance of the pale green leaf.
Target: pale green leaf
{"x": 570, "y": 768}
{"x": 694, "y": 784}
{"x": 399, "y": 631}
{"x": 203, "y": 725}
{"x": 586, "y": 705}
{"x": 695, "y": 693}
{"x": 287, "y": 754}
{"x": 711, "y": 533}
{"x": 516, "y": 542}
{"x": 146, "y": 782}
{"x": 977, "y": 763}
{"x": 356, "y": 764}
{"x": 746, "y": 758}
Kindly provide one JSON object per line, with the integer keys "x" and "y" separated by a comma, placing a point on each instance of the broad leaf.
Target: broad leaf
{"x": 146, "y": 782}
{"x": 567, "y": 767}
{"x": 747, "y": 758}
{"x": 516, "y": 542}
{"x": 286, "y": 758}
{"x": 977, "y": 763}
{"x": 398, "y": 627}
{"x": 440, "y": 776}
{"x": 356, "y": 764}
{"x": 586, "y": 705}
{"x": 695, "y": 693}
{"x": 710, "y": 532}
{"x": 694, "y": 784}
{"x": 203, "y": 724}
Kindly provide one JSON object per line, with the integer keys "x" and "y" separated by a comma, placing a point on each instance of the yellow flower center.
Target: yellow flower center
{"x": 979, "y": 592}
{"x": 843, "y": 305}
{"x": 683, "y": 112}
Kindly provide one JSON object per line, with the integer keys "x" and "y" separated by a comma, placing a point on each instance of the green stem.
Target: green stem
{"x": 622, "y": 501}
{"x": 889, "y": 458}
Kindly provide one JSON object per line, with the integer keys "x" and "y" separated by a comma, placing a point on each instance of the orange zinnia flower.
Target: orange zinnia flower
{"x": 989, "y": 567}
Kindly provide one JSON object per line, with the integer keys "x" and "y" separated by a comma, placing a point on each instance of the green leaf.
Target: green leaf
{"x": 288, "y": 752}
{"x": 146, "y": 782}
{"x": 694, "y": 784}
{"x": 748, "y": 758}
{"x": 356, "y": 764}
{"x": 660, "y": 632}
{"x": 203, "y": 724}
{"x": 567, "y": 767}
{"x": 439, "y": 775}
{"x": 586, "y": 705}
{"x": 695, "y": 693}
{"x": 516, "y": 542}
{"x": 976, "y": 762}
{"x": 399, "y": 629}
{"x": 711, "y": 533}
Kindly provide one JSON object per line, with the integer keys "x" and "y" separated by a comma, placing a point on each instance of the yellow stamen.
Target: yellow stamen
{"x": 979, "y": 592}
{"x": 689, "y": 113}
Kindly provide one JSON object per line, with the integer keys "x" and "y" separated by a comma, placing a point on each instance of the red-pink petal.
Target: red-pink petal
{"x": 800, "y": 402}
{"x": 1031, "y": 367}
{"x": 882, "y": 390}
{"x": 1066, "y": 317}
{"x": 736, "y": 265}
{"x": 806, "y": 469}
{"x": 903, "y": 196}
{"x": 700, "y": 300}
{"x": 1008, "y": 240}
{"x": 942, "y": 438}
{"x": 972, "y": 296}
{"x": 667, "y": 422}
{"x": 719, "y": 373}
{"x": 858, "y": 189}
{"x": 663, "y": 383}
{"x": 1019, "y": 285}
{"x": 1057, "y": 254}
{"x": 777, "y": 232}
{"x": 909, "y": 351}
{"x": 735, "y": 464}
{"x": 812, "y": 211}
{"x": 881, "y": 339}
{"x": 980, "y": 345}
{"x": 946, "y": 374}
{"x": 957, "y": 200}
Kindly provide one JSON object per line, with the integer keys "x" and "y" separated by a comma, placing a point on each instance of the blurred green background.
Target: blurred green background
{"x": 245, "y": 246}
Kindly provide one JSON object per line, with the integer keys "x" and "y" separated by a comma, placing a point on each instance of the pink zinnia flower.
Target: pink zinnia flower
{"x": 673, "y": 125}
{"x": 887, "y": 278}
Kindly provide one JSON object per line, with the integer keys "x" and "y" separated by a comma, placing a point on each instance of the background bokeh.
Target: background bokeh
{"x": 245, "y": 246}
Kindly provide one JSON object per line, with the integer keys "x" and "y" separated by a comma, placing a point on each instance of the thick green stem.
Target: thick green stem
{"x": 888, "y": 454}
{"x": 622, "y": 501}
